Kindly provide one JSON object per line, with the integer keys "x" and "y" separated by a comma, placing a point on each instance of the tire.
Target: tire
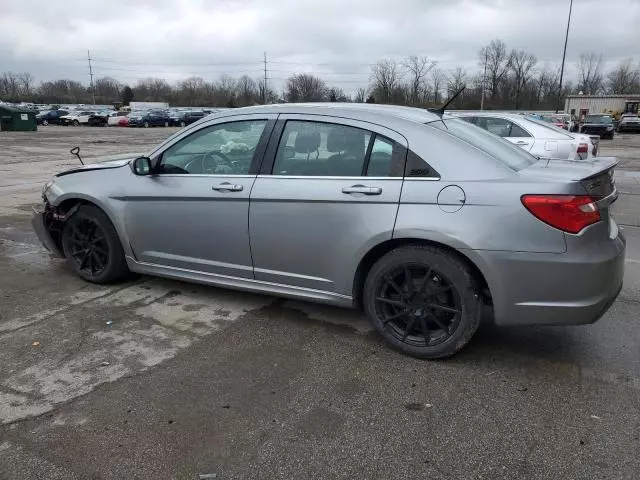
{"x": 76, "y": 123}
{"x": 45, "y": 123}
{"x": 166, "y": 124}
{"x": 182, "y": 124}
{"x": 146, "y": 124}
{"x": 438, "y": 317}
{"x": 89, "y": 227}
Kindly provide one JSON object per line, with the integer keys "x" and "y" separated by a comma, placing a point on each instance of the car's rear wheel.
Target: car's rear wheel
{"x": 423, "y": 300}
{"x": 92, "y": 247}
{"x": 76, "y": 123}
{"x": 182, "y": 124}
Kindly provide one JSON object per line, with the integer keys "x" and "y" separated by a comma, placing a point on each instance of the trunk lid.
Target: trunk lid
{"x": 596, "y": 174}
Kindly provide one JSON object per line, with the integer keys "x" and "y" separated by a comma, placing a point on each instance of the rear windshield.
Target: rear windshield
{"x": 502, "y": 150}
{"x": 598, "y": 119}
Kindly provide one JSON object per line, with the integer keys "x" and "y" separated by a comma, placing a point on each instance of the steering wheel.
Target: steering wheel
{"x": 214, "y": 162}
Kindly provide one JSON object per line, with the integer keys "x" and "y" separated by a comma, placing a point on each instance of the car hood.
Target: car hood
{"x": 121, "y": 162}
{"x": 569, "y": 170}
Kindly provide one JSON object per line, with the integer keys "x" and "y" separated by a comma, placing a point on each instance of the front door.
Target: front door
{"x": 329, "y": 190}
{"x": 193, "y": 212}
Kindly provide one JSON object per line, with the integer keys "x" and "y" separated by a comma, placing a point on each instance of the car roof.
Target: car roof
{"x": 352, "y": 110}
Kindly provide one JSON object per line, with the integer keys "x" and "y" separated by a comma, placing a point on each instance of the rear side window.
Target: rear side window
{"x": 501, "y": 150}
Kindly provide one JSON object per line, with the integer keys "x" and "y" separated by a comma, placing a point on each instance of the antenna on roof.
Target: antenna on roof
{"x": 440, "y": 111}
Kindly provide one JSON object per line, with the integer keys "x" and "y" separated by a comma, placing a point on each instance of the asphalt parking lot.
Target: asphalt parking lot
{"x": 155, "y": 379}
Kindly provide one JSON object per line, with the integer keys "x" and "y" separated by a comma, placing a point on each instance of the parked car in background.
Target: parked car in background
{"x": 50, "y": 117}
{"x": 535, "y": 136}
{"x": 601, "y": 125}
{"x": 182, "y": 119}
{"x": 629, "y": 123}
{"x": 151, "y": 118}
{"x": 114, "y": 118}
{"x": 98, "y": 120}
{"x": 560, "y": 120}
{"x": 420, "y": 219}
{"x": 76, "y": 118}
{"x": 124, "y": 121}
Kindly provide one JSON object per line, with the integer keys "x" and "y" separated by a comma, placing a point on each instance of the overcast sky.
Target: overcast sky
{"x": 337, "y": 39}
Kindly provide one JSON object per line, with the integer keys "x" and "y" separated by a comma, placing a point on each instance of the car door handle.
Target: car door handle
{"x": 227, "y": 187}
{"x": 362, "y": 189}
{"x": 522, "y": 143}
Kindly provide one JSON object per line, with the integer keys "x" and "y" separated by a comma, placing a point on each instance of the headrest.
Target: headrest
{"x": 307, "y": 142}
{"x": 346, "y": 139}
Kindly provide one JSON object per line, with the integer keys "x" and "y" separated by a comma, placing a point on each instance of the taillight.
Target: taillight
{"x": 583, "y": 148}
{"x": 569, "y": 213}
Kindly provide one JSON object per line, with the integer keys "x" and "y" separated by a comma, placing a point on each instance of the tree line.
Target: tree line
{"x": 505, "y": 79}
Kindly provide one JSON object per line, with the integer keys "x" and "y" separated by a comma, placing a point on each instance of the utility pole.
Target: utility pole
{"x": 564, "y": 54}
{"x": 93, "y": 90}
{"x": 264, "y": 87}
{"x": 484, "y": 78}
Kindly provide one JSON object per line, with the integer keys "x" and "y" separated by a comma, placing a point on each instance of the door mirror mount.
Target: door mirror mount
{"x": 141, "y": 166}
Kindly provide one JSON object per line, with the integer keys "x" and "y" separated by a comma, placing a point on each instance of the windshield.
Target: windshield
{"x": 598, "y": 119}
{"x": 501, "y": 150}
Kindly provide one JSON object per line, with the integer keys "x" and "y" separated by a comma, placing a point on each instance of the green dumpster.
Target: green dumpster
{"x": 17, "y": 119}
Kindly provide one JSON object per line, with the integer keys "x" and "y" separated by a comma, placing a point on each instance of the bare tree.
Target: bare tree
{"x": 336, "y": 94}
{"x": 625, "y": 78}
{"x": 107, "y": 90}
{"x": 270, "y": 96}
{"x": 417, "y": 69}
{"x": 385, "y": 79}
{"x": 360, "y": 96}
{"x": 498, "y": 61}
{"x": 26, "y": 82}
{"x": 457, "y": 80}
{"x": 438, "y": 78}
{"x": 246, "y": 90}
{"x": 305, "y": 87}
{"x": 522, "y": 64}
{"x": 590, "y": 73}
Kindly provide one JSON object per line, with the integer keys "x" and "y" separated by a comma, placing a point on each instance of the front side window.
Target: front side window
{"x": 223, "y": 149}
{"x": 323, "y": 149}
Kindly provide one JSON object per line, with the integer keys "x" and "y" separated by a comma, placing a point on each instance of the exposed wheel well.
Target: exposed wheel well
{"x": 55, "y": 227}
{"x": 382, "y": 249}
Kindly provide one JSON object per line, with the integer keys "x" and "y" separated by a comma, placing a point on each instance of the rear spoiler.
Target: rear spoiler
{"x": 601, "y": 165}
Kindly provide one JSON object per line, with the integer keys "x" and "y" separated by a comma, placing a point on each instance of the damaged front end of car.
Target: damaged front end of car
{"x": 48, "y": 222}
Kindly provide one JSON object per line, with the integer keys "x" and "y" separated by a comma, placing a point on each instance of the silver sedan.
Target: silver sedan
{"x": 422, "y": 220}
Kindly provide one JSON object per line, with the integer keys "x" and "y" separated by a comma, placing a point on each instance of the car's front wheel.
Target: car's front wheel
{"x": 92, "y": 247}
{"x": 423, "y": 300}
{"x": 146, "y": 124}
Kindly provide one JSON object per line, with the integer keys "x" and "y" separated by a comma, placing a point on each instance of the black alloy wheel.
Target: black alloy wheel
{"x": 418, "y": 305}
{"x": 87, "y": 247}
{"x": 423, "y": 300}
{"x": 92, "y": 246}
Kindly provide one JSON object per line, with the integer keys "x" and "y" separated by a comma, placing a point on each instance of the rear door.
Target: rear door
{"x": 328, "y": 191}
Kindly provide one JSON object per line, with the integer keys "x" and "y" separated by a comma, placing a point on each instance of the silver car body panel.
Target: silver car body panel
{"x": 302, "y": 237}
